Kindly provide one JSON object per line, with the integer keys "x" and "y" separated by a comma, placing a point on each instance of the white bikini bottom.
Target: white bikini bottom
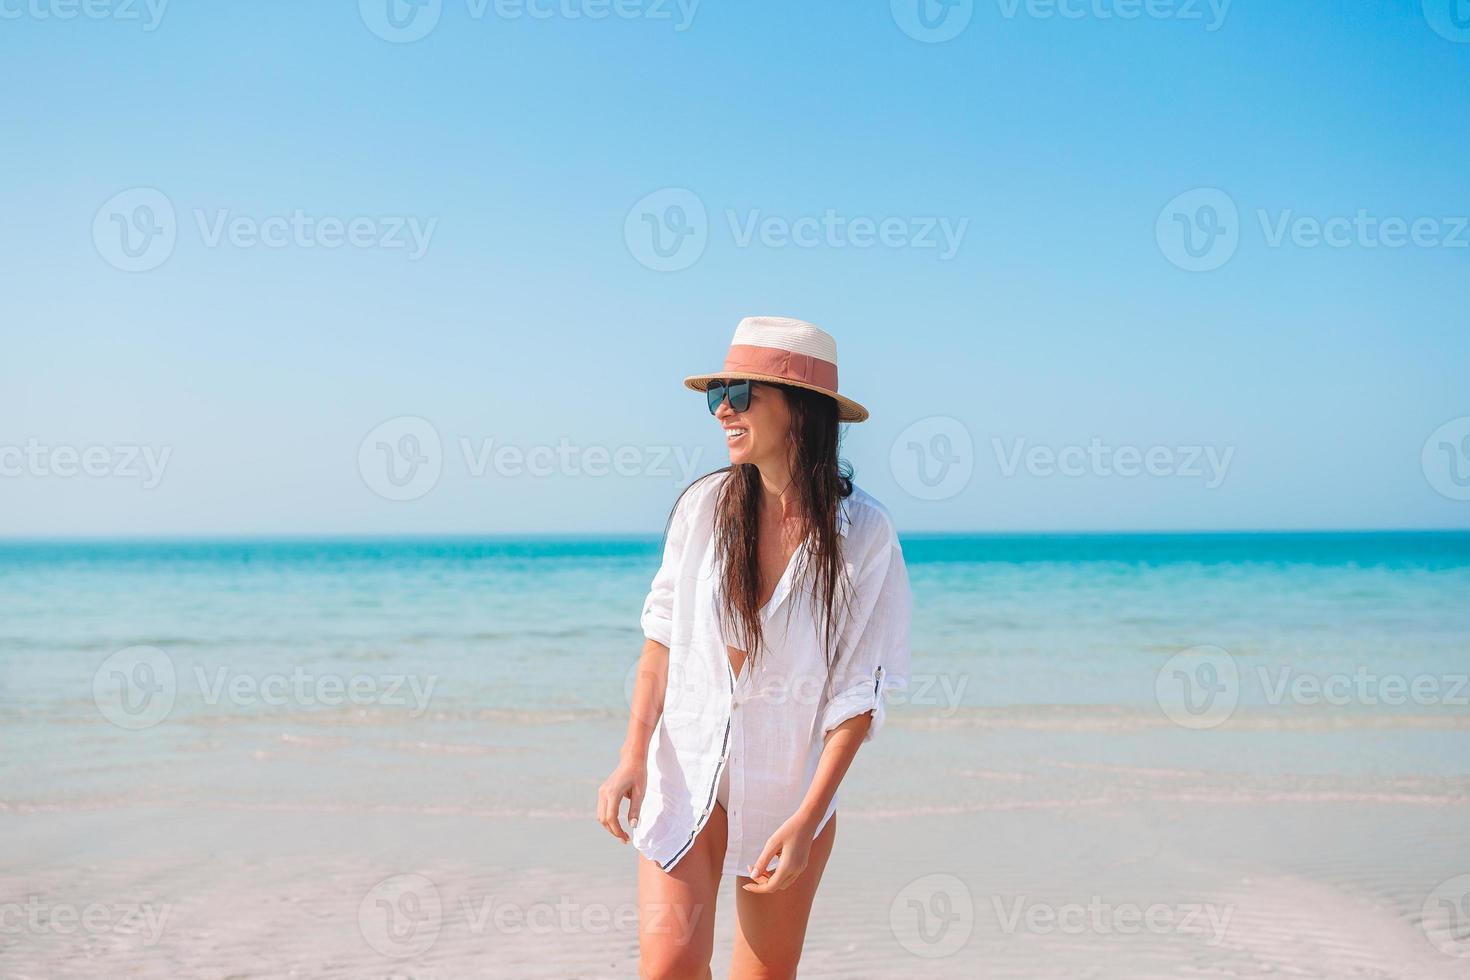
{"x": 723, "y": 793}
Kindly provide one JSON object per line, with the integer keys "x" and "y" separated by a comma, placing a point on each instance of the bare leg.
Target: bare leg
{"x": 772, "y": 927}
{"x": 676, "y": 909}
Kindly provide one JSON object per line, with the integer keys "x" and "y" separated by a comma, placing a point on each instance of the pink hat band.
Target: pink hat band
{"x": 782, "y": 364}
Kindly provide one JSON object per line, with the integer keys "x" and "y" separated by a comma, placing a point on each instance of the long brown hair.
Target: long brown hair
{"x": 821, "y": 481}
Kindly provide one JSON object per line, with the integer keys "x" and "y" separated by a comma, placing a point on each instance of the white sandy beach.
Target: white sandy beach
{"x": 998, "y": 844}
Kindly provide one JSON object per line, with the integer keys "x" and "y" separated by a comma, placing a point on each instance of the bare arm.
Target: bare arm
{"x": 630, "y": 779}
{"x": 838, "y": 751}
{"x": 648, "y": 700}
{"x": 793, "y": 841}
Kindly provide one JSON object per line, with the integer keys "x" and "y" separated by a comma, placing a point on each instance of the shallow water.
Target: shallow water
{"x": 258, "y": 734}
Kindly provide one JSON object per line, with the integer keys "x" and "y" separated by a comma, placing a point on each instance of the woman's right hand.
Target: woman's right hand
{"x": 628, "y": 781}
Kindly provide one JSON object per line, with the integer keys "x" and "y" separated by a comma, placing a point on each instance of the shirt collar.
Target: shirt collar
{"x": 783, "y": 585}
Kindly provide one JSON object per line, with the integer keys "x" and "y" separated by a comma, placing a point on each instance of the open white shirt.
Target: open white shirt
{"x": 787, "y": 701}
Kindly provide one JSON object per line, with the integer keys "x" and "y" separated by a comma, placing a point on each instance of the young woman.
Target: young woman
{"x": 779, "y": 616}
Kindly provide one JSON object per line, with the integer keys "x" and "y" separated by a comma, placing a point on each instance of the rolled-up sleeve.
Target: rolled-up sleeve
{"x": 658, "y": 608}
{"x": 874, "y": 649}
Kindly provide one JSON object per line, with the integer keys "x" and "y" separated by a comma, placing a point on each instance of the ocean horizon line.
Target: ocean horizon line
{"x": 348, "y": 537}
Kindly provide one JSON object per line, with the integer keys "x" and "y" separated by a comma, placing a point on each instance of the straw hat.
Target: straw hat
{"x": 780, "y": 350}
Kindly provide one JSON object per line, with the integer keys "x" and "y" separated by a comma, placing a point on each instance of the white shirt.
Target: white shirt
{"x": 787, "y": 702}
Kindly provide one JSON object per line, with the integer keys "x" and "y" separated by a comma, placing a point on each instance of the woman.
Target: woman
{"x": 744, "y": 721}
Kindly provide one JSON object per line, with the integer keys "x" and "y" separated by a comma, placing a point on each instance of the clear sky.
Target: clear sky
{"x": 1101, "y": 264}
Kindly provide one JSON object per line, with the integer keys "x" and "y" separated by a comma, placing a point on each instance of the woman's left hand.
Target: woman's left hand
{"x": 792, "y": 841}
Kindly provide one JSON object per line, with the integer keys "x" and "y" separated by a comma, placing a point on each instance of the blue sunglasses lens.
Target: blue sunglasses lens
{"x": 738, "y": 391}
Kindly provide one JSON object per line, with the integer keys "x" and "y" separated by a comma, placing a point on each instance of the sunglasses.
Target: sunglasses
{"x": 738, "y": 391}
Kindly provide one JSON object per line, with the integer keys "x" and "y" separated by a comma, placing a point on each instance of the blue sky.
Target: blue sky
{"x": 1060, "y": 361}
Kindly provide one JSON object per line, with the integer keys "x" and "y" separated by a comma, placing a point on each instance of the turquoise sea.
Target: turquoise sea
{"x": 256, "y": 735}
{"x": 551, "y": 624}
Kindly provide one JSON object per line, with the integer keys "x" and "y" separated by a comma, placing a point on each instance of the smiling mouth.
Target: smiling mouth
{"x": 732, "y": 434}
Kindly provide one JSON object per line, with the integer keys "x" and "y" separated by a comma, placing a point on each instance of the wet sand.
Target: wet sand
{"x": 990, "y": 845}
